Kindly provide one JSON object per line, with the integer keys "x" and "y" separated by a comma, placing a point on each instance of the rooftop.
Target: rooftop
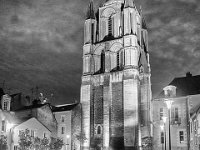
{"x": 65, "y": 107}
{"x": 188, "y": 85}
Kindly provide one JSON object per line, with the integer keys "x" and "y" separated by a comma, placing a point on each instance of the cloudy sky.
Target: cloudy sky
{"x": 41, "y": 44}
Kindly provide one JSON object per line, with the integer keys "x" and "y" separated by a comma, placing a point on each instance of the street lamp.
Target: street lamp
{"x": 67, "y": 136}
{"x": 169, "y": 105}
{"x": 162, "y": 140}
{"x": 164, "y": 121}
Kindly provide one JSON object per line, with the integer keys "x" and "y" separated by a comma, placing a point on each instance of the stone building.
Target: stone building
{"x": 65, "y": 117}
{"x": 42, "y": 112}
{"x": 184, "y": 93}
{"x": 116, "y": 86}
{"x": 195, "y": 128}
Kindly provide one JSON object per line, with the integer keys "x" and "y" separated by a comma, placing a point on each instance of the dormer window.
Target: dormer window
{"x": 6, "y": 99}
{"x": 170, "y": 91}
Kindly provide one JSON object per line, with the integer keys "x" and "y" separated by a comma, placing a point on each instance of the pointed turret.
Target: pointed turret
{"x": 129, "y": 3}
{"x": 90, "y": 12}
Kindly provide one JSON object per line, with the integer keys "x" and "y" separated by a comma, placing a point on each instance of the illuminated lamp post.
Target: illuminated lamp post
{"x": 10, "y": 126}
{"x": 164, "y": 121}
{"x": 162, "y": 140}
{"x": 169, "y": 105}
{"x": 67, "y": 144}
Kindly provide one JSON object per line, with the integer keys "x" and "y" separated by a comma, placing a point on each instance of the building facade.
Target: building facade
{"x": 116, "y": 86}
{"x": 195, "y": 128}
{"x": 184, "y": 93}
{"x": 64, "y": 117}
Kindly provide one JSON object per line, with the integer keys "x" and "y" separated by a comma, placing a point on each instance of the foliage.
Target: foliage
{"x": 147, "y": 142}
{"x": 3, "y": 142}
{"x": 81, "y": 137}
{"x": 56, "y": 144}
{"x": 27, "y": 142}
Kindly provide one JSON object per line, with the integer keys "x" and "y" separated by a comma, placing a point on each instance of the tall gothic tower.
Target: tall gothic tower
{"x": 116, "y": 86}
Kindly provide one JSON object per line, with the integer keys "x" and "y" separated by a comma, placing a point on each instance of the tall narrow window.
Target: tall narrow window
{"x": 176, "y": 114}
{"x": 92, "y": 33}
{"x": 109, "y": 26}
{"x": 102, "y": 62}
{"x": 161, "y": 113}
{"x": 162, "y": 138}
{"x": 181, "y": 136}
{"x": 3, "y": 128}
{"x": 99, "y": 130}
{"x": 32, "y": 133}
{"x": 62, "y": 118}
{"x": 63, "y": 130}
{"x": 44, "y": 135}
{"x": 118, "y": 60}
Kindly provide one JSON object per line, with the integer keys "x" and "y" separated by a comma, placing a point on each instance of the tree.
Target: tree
{"x": 3, "y": 142}
{"x": 25, "y": 140}
{"x": 56, "y": 144}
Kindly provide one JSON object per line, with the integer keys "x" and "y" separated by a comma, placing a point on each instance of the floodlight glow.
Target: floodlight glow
{"x": 68, "y": 136}
{"x": 10, "y": 125}
{"x": 164, "y": 119}
{"x": 169, "y": 103}
{"x": 162, "y": 127}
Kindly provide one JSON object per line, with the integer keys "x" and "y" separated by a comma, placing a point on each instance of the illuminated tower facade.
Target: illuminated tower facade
{"x": 116, "y": 86}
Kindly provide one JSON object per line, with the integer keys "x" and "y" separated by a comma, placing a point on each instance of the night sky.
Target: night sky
{"x": 41, "y": 44}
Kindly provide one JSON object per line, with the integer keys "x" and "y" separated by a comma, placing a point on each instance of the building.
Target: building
{"x": 64, "y": 115}
{"x": 35, "y": 128}
{"x": 42, "y": 112}
{"x": 195, "y": 128}
{"x": 7, "y": 121}
{"x": 183, "y": 92}
{"x": 116, "y": 86}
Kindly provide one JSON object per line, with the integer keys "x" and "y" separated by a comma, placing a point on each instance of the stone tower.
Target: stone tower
{"x": 116, "y": 86}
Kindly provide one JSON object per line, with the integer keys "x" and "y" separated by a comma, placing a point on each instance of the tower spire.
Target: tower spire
{"x": 90, "y": 11}
{"x": 129, "y": 3}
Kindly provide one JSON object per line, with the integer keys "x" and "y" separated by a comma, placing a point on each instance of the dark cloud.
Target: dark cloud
{"x": 41, "y": 43}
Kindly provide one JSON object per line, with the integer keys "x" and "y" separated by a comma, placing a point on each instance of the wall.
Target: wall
{"x": 176, "y": 127}
{"x": 31, "y": 124}
{"x": 67, "y": 125}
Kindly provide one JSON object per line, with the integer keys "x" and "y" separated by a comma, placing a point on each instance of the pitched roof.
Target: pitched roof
{"x": 31, "y": 107}
{"x": 65, "y": 107}
{"x": 188, "y": 85}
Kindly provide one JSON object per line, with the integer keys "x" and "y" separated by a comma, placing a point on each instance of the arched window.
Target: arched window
{"x": 99, "y": 130}
{"x": 118, "y": 60}
{"x": 102, "y": 62}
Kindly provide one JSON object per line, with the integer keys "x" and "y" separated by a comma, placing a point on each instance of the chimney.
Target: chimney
{"x": 188, "y": 74}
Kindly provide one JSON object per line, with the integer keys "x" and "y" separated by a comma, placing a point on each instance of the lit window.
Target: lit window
{"x": 162, "y": 137}
{"x": 3, "y": 128}
{"x": 181, "y": 136}
{"x": 161, "y": 113}
{"x": 62, "y": 118}
{"x": 63, "y": 130}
